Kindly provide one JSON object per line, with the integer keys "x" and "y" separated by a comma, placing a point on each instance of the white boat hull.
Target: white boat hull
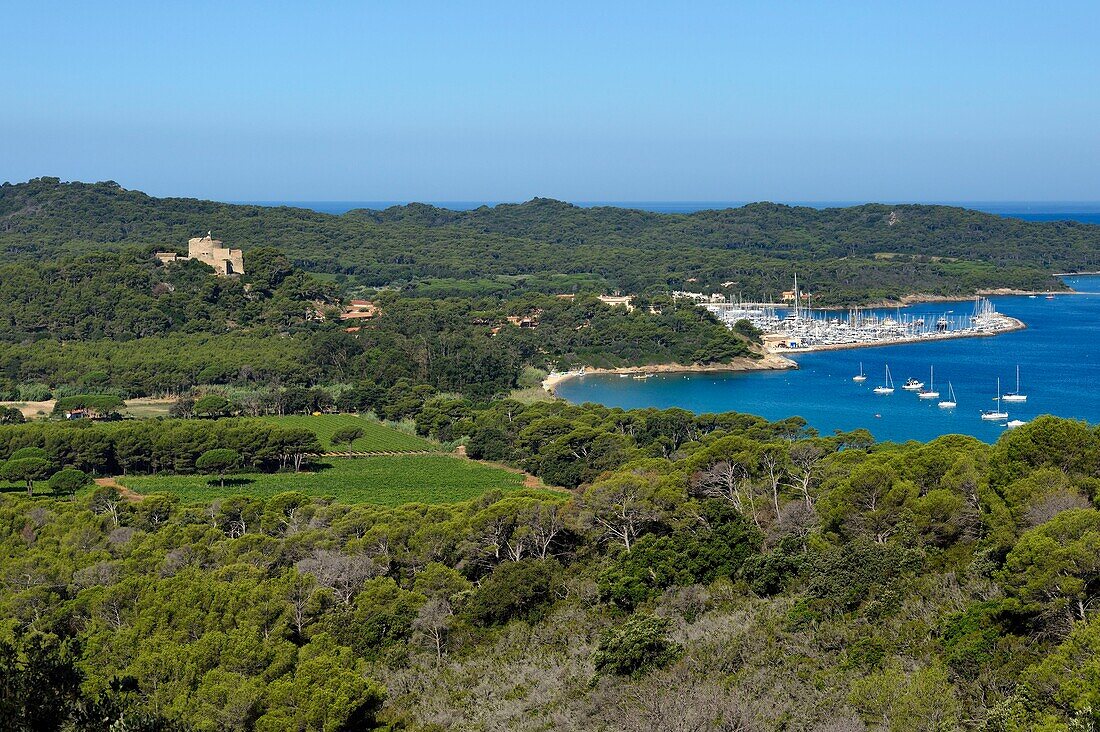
{"x": 1014, "y": 398}
{"x": 859, "y": 378}
{"x": 883, "y": 390}
{"x": 928, "y": 395}
{"x": 948, "y": 405}
{"x": 994, "y": 416}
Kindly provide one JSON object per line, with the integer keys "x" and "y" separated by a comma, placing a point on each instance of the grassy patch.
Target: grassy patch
{"x": 387, "y": 481}
{"x": 377, "y": 437}
{"x": 148, "y": 408}
{"x": 531, "y": 395}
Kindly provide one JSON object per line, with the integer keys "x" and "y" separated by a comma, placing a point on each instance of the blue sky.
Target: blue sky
{"x": 837, "y": 101}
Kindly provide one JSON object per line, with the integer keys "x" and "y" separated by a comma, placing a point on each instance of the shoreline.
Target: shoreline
{"x": 1015, "y": 325}
{"x": 770, "y": 361}
{"x": 925, "y": 299}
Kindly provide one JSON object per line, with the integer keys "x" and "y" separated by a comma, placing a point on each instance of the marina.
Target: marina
{"x": 1058, "y": 355}
{"x": 799, "y": 329}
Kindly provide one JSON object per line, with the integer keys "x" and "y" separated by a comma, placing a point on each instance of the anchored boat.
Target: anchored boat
{"x": 1016, "y": 396}
{"x": 888, "y": 387}
{"x": 860, "y": 377}
{"x": 996, "y": 415}
{"x": 930, "y": 392}
{"x": 949, "y": 403}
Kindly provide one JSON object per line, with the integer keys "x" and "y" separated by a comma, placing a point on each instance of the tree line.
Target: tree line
{"x": 156, "y": 446}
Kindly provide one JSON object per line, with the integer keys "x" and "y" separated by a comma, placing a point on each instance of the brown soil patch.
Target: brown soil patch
{"x": 123, "y": 491}
{"x": 31, "y": 410}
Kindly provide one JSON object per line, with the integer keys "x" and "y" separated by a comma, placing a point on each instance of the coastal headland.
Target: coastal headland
{"x": 767, "y": 362}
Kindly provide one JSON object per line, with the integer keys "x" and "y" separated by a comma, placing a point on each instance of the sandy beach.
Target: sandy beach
{"x": 768, "y": 362}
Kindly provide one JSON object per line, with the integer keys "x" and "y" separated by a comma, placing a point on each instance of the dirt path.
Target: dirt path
{"x": 123, "y": 491}
{"x": 529, "y": 480}
{"x": 355, "y": 454}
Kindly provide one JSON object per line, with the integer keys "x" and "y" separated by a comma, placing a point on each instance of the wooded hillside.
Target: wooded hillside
{"x": 847, "y": 255}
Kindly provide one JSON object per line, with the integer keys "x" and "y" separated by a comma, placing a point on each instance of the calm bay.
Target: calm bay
{"x": 1058, "y": 355}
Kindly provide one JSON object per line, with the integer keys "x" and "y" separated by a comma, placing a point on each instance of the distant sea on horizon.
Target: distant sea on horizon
{"x": 1084, "y": 211}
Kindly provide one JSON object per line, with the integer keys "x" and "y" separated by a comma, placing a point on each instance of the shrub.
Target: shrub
{"x": 11, "y": 415}
{"x": 95, "y": 405}
{"x": 212, "y": 405}
{"x": 347, "y": 435}
{"x": 694, "y": 555}
{"x": 218, "y": 461}
{"x": 68, "y": 481}
{"x": 514, "y": 590}
{"x": 640, "y": 645}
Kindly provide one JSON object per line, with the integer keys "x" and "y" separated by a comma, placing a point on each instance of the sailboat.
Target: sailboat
{"x": 930, "y": 392}
{"x": 860, "y": 377}
{"x": 1016, "y": 396}
{"x": 949, "y": 403}
{"x": 996, "y": 415}
{"x": 888, "y": 387}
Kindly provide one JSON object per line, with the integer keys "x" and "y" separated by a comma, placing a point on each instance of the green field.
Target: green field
{"x": 377, "y": 437}
{"x": 383, "y": 480}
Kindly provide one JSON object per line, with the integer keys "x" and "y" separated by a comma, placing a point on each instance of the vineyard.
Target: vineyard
{"x": 377, "y": 437}
{"x": 386, "y": 481}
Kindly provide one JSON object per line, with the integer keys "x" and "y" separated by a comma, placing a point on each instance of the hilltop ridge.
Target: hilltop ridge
{"x": 853, "y": 254}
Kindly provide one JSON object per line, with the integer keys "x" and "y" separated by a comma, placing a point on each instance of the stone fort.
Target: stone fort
{"x": 209, "y": 250}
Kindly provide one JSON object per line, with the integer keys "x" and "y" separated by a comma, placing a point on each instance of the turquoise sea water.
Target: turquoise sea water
{"x": 1058, "y": 354}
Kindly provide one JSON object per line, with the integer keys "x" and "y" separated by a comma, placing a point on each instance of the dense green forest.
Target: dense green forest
{"x": 127, "y": 294}
{"x": 845, "y": 255}
{"x": 712, "y": 572}
{"x": 704, "y": 573}
{"x": 122, "y": 323}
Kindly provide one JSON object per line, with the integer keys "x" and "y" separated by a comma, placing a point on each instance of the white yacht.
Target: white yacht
{"x": 912, "y": 384}
{"x": 950, "y": 402}
{"x": 1012, "y": 424}
{"x": 996, "y": 415}
{"x": 930, "y": 392}
{"x": 1016, "y": 396}
{"x": 888, "y": 387}
{"x": 860, "y": 377}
